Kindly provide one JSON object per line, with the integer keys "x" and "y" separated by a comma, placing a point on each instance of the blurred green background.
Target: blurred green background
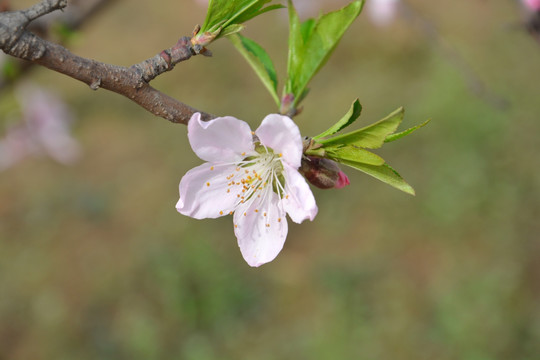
{"x": 95, "y": 262}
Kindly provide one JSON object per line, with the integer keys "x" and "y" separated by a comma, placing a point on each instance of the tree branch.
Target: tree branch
{"x": 132, "y": 82}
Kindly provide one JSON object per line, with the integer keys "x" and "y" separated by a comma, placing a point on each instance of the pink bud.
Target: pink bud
{"x": 323, "y": 173}
{"x": 343, "y": 180}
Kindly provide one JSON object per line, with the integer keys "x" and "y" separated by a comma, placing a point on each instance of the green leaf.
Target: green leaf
{"x": 223, "y": 14}
{"x": 254, "y": 13}
{"x": 306, "y": 29}
{"x": 370, "y": 137}
{"x": 312, "y": 43}
{"x": 295, "y": 44}
{"x": 259, "y": 60}
{"x": 383, "y": 173}
{"x": 232, "y": 29}
{"x": 346, "y": 120}
{"x": 353, "y": 153}
{"x": 399, "y": 135}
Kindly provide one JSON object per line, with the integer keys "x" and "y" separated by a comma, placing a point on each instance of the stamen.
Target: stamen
{"x": 207, "y": 184}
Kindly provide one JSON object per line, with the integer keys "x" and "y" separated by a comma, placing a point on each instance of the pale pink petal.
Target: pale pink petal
{"x": 224, "y": 139}
{"x": 281, "y": 134}
{"x": 298, "y": 199}
{"x": 207, "y": 191}
{"x": 261, "y": 229}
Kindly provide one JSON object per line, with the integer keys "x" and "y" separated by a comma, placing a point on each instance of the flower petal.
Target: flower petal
{"x": 224, "y": 139}
{"x": 298, "y": 201}
{"x": 261, "y": 229}
{"x": 282, "y": 135}
{"x": 207, "y": 191}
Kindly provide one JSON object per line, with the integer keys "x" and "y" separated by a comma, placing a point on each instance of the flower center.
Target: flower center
{"x": 256, "y": 175}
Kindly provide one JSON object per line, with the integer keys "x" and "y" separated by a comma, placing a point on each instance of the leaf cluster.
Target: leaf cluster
{"x": 351, "y": 148}
{"x": 310, "y": 45}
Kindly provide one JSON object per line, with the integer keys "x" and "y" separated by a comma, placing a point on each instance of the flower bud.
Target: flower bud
{"x": 323, "y": 173}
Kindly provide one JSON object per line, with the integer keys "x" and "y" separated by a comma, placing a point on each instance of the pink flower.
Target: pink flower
{"x": 44, "y": 129}
{"x": 48, "y": 120}
{"x": 382, "y": 12}
{"x": 533, "y": 5}
{"x": 253, "y": 175}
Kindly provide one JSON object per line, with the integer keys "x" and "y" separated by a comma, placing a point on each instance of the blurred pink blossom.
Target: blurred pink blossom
{"x": 43, "y": 129}
{"x": 382, "y": 12}
{"x": 533, "y": 5}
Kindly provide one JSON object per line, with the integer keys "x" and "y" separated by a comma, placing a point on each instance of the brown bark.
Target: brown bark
{"x": 132, "y": 82}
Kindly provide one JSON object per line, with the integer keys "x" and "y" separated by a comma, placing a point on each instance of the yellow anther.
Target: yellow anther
{"x": 256, "y": 210}
{"x": 245, "y": 214}
{"x": 228, "y": 190}
{"x": 279, "y": 220}
{"x": 243, "y": 154}
{"x": 207, "y": 184}
{"x": 267, "y": 225}
{"x": 221, "y": 213}
{"x": 264, "y": 214}
{"x": 211, "y": 168}
{"x": 280, "y": 154}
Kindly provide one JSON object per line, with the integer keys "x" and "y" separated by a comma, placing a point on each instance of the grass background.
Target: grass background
{"x": 95, "y": 263}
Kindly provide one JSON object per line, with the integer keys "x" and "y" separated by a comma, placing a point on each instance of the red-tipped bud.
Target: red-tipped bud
{"x": 343, "y": 180}
{"x": 323, "y": 173}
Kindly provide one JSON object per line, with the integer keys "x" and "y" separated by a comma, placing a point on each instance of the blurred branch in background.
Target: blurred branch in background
{"x": 473, "y": 81}
{"x": 130, "y": 82}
